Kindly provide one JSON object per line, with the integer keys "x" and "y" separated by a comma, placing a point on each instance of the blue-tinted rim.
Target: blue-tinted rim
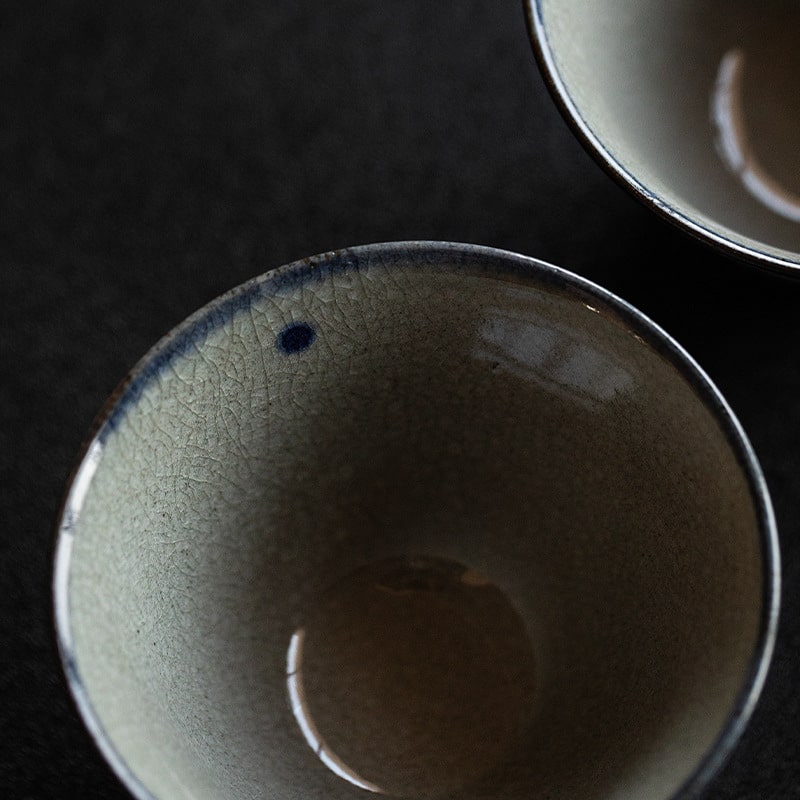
{"x": 593, "y": 144}
{"x": 469, "y": 258}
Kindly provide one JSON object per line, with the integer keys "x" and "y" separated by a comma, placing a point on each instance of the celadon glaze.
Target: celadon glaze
{"x": 448, "y": 403}
{"x": 693, "y": 104}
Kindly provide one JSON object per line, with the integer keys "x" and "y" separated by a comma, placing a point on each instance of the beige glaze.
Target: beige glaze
{"x": 450, "y": 409}
{"x": 695, "y": 102}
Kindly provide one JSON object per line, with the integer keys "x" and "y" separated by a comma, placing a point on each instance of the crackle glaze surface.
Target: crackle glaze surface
{"x": 694, "y": 105}
{"x": 449, "y": 402}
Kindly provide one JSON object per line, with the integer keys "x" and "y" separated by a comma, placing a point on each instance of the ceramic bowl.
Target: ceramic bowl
{"x": 692, "y": 106}
{"x": 420, "y": 520}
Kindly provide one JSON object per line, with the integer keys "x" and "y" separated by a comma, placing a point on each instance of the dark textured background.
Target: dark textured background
{"x": 155, "y": 154}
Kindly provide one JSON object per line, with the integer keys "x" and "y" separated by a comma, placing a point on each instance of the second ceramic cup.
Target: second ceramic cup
{"x": 693, "y": 105}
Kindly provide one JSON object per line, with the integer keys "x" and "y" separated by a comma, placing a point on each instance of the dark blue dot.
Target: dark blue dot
{"x": 296, "y": 337}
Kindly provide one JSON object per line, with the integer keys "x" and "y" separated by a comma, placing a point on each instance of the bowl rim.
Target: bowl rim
{"x": 472, "y": 259}
{"x": 786, "y": 266}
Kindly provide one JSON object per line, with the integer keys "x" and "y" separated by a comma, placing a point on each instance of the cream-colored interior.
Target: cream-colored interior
{"x": 524, "y": 432}
{"x": 719, "y": 144}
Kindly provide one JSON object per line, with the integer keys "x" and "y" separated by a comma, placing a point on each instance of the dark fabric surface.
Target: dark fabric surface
{"x": 155, "y": 154}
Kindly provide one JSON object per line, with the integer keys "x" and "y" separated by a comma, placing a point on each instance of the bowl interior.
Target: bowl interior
{"x": 423, "y": 409}
{"x": 695, "y": 102}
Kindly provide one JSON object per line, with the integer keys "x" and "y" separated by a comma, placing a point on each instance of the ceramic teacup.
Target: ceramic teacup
{"x": 420, "y": 520}
{"x": 693, "y": 105}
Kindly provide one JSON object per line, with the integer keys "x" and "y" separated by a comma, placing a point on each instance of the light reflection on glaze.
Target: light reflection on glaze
{"x": 294, "y": 682}
{"x": 414, "y": 670}
{"x": 728, "y": 118}
{"x": 553, "y": 355}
